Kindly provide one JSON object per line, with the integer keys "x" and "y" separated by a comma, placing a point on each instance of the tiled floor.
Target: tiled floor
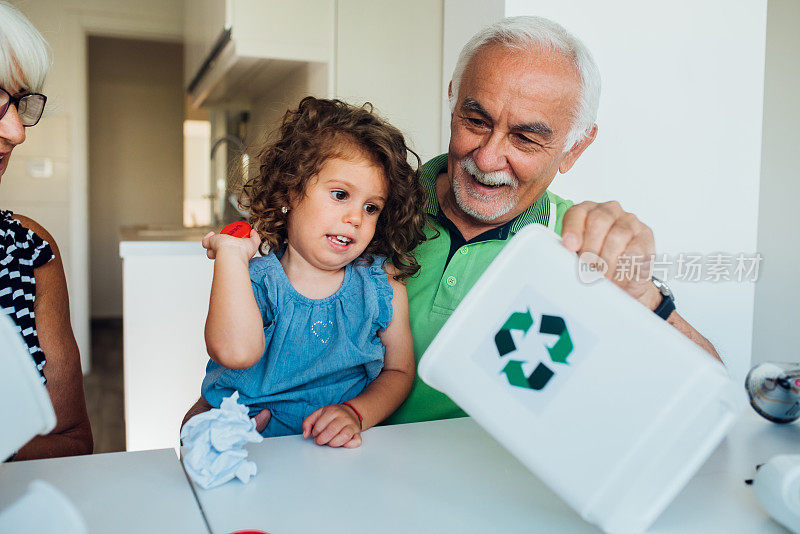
{"x": 103, "y": 386}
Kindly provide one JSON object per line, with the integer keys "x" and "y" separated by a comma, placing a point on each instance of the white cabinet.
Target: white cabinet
{"x": 380, "y": 51}
{"x": 205, "y": 21}
{"x": 166, "y": 286}
{"x": 237, "y": 49}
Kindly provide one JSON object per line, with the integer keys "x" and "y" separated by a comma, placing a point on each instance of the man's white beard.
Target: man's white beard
{"x": 492, "y": 207}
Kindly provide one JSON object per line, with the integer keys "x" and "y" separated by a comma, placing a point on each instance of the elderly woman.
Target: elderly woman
{"x": 33, "y": 290}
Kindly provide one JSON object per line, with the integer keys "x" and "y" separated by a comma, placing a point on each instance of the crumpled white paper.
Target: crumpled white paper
{"x": 214, "y": 442}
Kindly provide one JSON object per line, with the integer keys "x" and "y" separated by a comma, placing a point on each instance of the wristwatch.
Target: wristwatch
{"x": 667, "y": 306}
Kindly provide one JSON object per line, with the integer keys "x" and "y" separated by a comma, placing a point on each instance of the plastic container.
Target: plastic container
{"x": 606, "y": 403}
{"x": 27, "y": 410}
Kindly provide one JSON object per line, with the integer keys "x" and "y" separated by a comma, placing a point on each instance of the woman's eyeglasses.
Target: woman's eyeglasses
{"x": 29, "y": 106}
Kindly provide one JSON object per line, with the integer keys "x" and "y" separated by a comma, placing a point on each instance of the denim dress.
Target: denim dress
{"x": 318, "y": 351}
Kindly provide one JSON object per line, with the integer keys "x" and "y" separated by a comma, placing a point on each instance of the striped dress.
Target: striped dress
{"x": 21, "y": 251}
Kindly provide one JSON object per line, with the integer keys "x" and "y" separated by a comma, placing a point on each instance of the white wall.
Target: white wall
{"x": 776, "y": 335}
{"x": 267, "y": 111}
{"x": 679, "y": 136}
{"x": 392, "y": 57}
{"x": 462, "y": 20}
{"x": 389, "y": 57}
{"x": 64, "y": 211}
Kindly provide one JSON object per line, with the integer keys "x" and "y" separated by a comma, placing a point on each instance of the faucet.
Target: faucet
{"x": 219, "y": 197}
{"x": 230, "y": 139}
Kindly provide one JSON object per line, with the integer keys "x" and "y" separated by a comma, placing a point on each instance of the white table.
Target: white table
{"x": 717, "y": 499}
{"x": 450, "y": 476}
{"x": 126, "y": 492}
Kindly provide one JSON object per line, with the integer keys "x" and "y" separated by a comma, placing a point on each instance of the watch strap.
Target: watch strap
{"x": 667, "y": 306}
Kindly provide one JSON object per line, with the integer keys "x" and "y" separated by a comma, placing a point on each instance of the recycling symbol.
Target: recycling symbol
{"x": 559, "y": 351}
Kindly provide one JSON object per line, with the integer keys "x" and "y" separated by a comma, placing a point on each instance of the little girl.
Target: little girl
{"x": 315, "y": 335}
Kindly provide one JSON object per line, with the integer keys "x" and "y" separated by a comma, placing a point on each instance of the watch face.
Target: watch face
{"x": 663, "y": 287}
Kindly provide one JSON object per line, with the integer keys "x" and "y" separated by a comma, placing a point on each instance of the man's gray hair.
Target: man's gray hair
{"x": 25, "y": 56}
{"x": 523, "y": 33}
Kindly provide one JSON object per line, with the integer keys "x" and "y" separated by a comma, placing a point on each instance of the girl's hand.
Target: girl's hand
{"x": 334, "y": 425}
{"x": 245, "y": 246}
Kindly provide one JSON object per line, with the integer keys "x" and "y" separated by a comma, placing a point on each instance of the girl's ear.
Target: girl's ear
{"x": 295, "y": 197}
{"x": 293, "y": 200}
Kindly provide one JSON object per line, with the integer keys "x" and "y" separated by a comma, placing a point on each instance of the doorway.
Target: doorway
{"x": 136, "y": 112}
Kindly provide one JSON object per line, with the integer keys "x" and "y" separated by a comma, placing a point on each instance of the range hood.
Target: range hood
{"x": 260, "y": 43}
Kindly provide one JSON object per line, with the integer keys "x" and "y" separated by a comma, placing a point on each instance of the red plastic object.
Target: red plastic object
{"x": 237, "y": 229}
{"x": 250, "y": 532}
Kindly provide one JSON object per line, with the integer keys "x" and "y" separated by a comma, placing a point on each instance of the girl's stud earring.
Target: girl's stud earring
{"x": 284, "y": 210}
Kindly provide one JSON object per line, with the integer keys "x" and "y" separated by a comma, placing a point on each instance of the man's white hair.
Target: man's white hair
{"x": 25, "y": 56}
{"x": 524, "y": 33}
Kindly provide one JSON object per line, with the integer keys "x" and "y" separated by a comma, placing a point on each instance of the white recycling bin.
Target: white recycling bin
{"x": 606, "y": 403}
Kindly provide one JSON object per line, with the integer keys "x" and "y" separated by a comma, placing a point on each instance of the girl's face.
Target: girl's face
{"x": 332, "y": 224}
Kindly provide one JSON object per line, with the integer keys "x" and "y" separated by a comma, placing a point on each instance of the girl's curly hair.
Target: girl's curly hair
{"x": 321, "y": 129}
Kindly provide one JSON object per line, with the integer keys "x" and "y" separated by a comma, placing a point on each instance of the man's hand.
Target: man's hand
{"x": 618, "y": 238}
{"x": 334, "y": 425}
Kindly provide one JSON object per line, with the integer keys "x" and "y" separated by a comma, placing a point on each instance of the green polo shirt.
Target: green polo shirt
{"x": 438, "y": 287}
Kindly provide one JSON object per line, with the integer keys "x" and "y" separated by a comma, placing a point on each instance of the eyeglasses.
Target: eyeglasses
{"x": 29, "y": 106}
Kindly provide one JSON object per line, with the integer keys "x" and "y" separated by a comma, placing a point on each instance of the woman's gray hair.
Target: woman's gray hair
{"x": 25, "y": 56}
{"x": 522, "y": 33}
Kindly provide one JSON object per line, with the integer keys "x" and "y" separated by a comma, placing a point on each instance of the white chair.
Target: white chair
{"x": 26, "y": 412}
{"x": 42, "y": 510}
{"x": 26, "y": 409}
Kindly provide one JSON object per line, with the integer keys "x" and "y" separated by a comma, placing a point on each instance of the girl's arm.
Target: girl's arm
{"x": 234, "y": 330}
{"x": 72, "y": 434}
{"x": 338, "y": 425}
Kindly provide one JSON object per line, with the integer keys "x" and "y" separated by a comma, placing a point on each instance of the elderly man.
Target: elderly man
{"x": 524, "y": 99}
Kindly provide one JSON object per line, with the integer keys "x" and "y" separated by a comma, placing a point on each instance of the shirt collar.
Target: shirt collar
{"x": 538, "y": 212}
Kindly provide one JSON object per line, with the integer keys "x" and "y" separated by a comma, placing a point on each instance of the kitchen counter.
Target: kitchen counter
{"x": 161, "y": 240}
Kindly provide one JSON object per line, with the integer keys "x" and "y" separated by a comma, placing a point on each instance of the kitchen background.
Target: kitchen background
{"x": 697, "y": 135}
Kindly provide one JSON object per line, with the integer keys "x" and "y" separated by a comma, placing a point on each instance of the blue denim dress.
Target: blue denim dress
{"x": 318, "y": 351}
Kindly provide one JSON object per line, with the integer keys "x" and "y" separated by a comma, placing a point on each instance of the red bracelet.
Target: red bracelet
{"x": 360, "y": 419}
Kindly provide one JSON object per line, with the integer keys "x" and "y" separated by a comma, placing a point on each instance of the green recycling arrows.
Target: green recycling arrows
{"x": 514, "y": 374}
{"x": 517, "y": 321}
{"x": 559, "y": 352}
{"x": 553, "y": 324}
{"x": 537, "y": 380}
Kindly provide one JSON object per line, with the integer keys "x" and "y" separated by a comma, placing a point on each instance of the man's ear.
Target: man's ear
{"x": 574, "y": 153}
{"x": 450, "y": 90}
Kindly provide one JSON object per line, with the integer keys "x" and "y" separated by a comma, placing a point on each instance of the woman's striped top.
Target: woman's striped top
{"x": 21, "y": 251}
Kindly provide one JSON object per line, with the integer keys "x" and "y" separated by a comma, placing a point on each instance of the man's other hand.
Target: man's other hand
{"x": 619, "y": 239}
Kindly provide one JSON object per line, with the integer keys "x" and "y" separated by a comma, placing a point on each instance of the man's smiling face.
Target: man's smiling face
{"x": 512, "y": 114}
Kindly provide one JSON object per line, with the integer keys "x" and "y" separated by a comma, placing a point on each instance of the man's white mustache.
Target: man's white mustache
{"x": 487, "y": 178}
